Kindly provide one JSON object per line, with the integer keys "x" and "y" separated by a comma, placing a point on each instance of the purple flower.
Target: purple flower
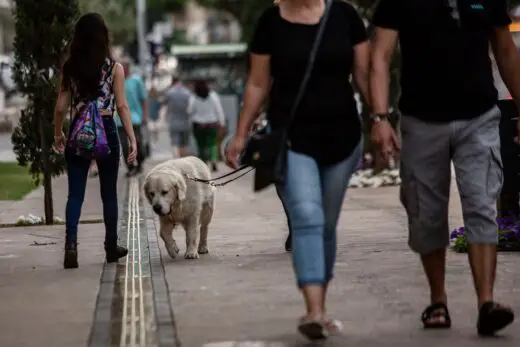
{"x": 457, "y": 232}
{"x": 506, "y": 222}
{"x": 509, "y": 229}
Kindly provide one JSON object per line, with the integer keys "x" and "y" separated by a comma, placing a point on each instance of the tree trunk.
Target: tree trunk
{"x": 47, "y": 178}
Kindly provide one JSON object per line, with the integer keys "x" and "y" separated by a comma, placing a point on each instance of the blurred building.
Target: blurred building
{"x": 204, "y": 26}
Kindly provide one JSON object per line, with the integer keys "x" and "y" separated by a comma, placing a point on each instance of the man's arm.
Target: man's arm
{"x": 383, "y": 48}
{"x": 508, "y": 60}
{"x": 382, "y": 134}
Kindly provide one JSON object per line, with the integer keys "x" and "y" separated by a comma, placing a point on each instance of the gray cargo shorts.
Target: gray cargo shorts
{"x": 427, "y": 151}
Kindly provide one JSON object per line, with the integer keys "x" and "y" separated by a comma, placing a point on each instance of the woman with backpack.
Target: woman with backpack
{"x": 95, "y": 84}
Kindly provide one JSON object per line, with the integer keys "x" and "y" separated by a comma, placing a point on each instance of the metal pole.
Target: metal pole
{"x": 141, "y": 35}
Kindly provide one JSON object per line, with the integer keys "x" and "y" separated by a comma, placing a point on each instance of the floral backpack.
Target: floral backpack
{"x": 87, "y": 136}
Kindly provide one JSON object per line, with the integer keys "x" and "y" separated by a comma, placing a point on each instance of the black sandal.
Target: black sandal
{"x": 438, "y": 310}
{"x": 313, "y": 329}
{"x": 493, "y": 317}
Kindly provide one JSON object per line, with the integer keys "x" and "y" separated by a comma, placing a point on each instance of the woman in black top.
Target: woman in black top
{"x": 325, "y": 135}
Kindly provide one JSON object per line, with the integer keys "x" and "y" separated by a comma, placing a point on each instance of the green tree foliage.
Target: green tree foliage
{"x": 120, "y": 14}
{"x": 42, "y": 30}
{"x": 246, "y": 12}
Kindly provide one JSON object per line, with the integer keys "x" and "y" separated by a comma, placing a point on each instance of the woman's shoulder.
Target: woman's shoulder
{"x": 270, "y": 14}
{"x": 345, "y": 7}
{"x": 117, "y": 68}
{"x": 109, "y": 63}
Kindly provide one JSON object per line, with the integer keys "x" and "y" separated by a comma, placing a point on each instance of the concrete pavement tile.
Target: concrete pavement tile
{"x": 44, "y": 305}
{"x": 244, "y": 290}
{"x": 33, "y": 202}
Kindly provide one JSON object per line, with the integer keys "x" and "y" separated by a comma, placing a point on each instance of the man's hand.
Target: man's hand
{"x": 384, "y": 136}
{"x": 517, "y": 137}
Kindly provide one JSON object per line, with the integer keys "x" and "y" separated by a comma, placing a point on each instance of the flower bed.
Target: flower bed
{"x": 508, "y": 232}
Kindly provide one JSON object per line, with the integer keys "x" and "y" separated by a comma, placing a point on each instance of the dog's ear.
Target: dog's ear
{"x": 180, "y": 186}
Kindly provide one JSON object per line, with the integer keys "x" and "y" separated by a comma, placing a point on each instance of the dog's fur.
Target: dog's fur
{"x": 179, "y": 200}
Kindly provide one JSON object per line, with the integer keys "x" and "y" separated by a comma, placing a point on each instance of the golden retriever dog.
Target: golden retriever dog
{"x": 179, "y": 200}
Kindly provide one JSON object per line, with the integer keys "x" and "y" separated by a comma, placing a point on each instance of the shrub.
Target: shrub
{"x": 42, "y": 30}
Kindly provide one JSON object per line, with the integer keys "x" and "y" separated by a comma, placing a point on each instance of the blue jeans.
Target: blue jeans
{"x": 313, "y": 195}
{"x": 77, "y": 171}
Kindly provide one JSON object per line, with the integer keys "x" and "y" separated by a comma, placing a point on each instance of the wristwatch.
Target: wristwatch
{"x": 378, "y": 117}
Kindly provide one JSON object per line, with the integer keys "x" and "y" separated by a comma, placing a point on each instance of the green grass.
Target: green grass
{"x": 15, "y": 181}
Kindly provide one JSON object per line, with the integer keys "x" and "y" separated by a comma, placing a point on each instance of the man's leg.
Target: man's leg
{"x": 140, "y": 148}
{"x": 198, "y": 134}
{"x": 184, "y": 141}
{"x": 201, "y": 138}
{"x": 478, "y": 165}
{"x": 425, "y": 188}
{"x": 174, "y": 141}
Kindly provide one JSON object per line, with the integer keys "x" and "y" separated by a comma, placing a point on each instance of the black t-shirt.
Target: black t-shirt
{"x": 327, "y": 125}
{"x": 446, "y": 69}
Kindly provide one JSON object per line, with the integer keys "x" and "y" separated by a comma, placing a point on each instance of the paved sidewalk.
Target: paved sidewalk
{"x": 43, "y": 304}
{"x": 244, "y": 290}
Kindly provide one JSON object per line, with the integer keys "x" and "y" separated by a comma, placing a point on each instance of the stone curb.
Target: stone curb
{"x": 107, "y": 322}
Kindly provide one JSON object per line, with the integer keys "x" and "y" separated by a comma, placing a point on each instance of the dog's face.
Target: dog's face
{"x": 163, "y": 191}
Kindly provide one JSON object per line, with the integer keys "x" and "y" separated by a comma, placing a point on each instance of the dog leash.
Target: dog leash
{"x": 212, "y": 181}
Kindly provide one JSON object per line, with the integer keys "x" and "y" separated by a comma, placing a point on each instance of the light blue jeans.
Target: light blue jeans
{"x": 313, "y": 195}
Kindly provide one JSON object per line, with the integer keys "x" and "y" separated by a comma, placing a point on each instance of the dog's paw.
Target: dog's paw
{"x": 203, "y": 250}
{"x": 173, "y": 251}
{"x": 192, "y": 255}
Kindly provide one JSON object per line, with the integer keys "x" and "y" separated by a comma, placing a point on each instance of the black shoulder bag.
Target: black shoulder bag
{"x": 267, "y": 151}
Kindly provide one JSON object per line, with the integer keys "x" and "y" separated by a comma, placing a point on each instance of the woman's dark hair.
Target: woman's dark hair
{"x": 89, "y": 49}
{"x": 201, "y": 89}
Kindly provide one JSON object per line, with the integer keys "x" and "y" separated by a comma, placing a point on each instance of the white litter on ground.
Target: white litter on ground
{"x": 246, "y": 344}
{"x": 366, "y": 179}
{"x": 31, "y": 219}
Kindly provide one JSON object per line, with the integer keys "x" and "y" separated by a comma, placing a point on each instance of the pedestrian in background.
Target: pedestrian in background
{"x": 154, "y": 113}
{"x": 179, "y": 126}
{"x": 208, "y": 119}
{"x": 137, "y": 98}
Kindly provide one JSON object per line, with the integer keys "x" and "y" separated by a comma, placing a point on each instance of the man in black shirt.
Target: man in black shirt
{"x": 448, "y": 103}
